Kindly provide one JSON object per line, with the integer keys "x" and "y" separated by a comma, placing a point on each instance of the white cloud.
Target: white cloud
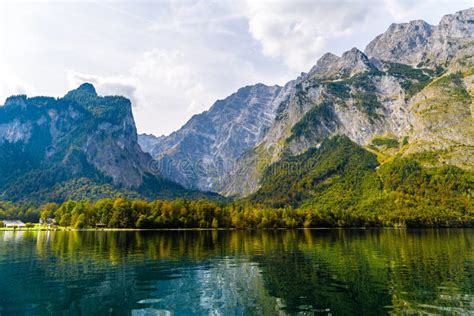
{"x": 12, "y": 84}
{"x": 429, "y": 10}
{"x": 175, "y": 58}
{"x": 167, "y": 78}
{"x": 298, "y": 31}
{"x": 399, "y": 10}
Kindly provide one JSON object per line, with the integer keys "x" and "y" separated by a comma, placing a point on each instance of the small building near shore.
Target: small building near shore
{"x": 9, "y": 223}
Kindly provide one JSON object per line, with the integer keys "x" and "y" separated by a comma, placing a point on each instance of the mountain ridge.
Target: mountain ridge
{"x": 364, "y": 96}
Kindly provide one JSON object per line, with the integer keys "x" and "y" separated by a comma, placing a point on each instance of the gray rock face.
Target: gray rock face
{"x": 15, "y": 131}
{"x": 150, "y": 143}
{"x": 331, "y": 66}
{"x": 82, "y": 124}
{"x": 207, "y": 146}
{"x": 458, "y": 25}
{"x": 367, "y": 102}
{"x": 112, "y": 146}
{"x": 418, "y": 43}
{"x": 404, "y": 43}
{"x": 114, "y": 150}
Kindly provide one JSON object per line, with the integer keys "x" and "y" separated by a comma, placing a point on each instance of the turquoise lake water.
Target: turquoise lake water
{"x": 337, "y": 272}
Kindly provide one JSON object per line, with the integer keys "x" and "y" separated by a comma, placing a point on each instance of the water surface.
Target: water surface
{"x": 338, "y": 272}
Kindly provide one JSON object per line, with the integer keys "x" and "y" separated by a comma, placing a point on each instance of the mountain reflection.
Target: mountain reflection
{"x": 237, "y": 272}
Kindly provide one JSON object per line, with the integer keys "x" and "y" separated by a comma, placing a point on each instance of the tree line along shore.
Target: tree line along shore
{"x": 121, "y": 213}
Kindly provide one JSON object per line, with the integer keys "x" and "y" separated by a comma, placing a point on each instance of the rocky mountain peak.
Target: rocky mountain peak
{"x": 418, "y": 42}
{"x": 415, "y": 26}
{"x": 87, "y": 88}
{"x": 401, "y": 40}
{"x": 84, "y": 91}
{"x": 330, "y": 66}
{"x": 458, "y": 25}
{"x": 17, "y": 100}
{"x": 323, "y": 64}
{"x": 354, "y": 58}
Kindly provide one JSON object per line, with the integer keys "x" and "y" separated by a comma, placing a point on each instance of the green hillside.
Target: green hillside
{"x": 342, "y": 183}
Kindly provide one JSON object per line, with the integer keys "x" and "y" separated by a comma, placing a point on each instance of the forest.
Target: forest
{"x": 339, "y": 184}
{"x": 180, "y": 213}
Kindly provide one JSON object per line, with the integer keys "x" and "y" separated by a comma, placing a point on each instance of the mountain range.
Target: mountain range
{"x": 348, "y": 125}
{"x": 409, "y": 94}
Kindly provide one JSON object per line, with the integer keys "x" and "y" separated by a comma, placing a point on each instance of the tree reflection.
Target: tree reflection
{"x": 337, "y": 271}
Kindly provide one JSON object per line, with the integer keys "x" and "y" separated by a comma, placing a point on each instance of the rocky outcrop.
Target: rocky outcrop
{"x": 333, "y": 67}
{"x": 419, "y": 44}
{"x": 45, "y": 143}
{"x": 403, "y": 43}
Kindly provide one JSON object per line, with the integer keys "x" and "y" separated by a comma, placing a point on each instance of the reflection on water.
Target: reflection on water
{"x": 221, "y": 272}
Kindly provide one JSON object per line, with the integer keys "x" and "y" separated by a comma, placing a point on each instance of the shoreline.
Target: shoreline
{"x": 215, "y": 229}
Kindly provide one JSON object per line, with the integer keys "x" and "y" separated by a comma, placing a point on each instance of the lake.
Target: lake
{"x": 364, "y": 272}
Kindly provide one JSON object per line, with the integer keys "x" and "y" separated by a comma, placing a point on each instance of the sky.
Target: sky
{"x": 174, "y": 59}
